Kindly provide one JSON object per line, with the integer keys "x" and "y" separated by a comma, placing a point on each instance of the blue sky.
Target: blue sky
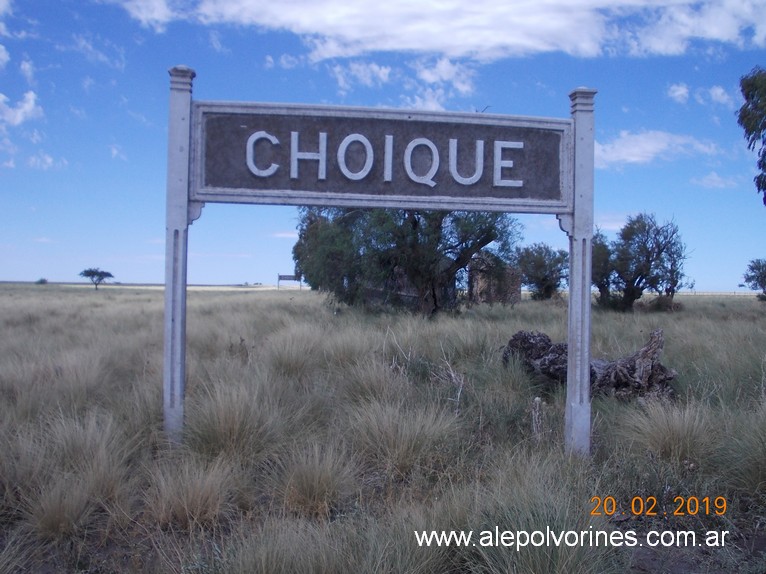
{"x": 84, "y": 103}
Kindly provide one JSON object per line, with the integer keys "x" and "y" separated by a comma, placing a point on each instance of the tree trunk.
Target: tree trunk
{"x": 638, "y": 375}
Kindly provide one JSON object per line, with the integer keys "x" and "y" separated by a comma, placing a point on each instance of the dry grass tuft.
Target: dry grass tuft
{"x": 677, "y": 433}
{"x": 237, "y": 420}
{"x": 316, "y": 481}
{"x": 398, "y": 437}
{"x": 190, "y": 493}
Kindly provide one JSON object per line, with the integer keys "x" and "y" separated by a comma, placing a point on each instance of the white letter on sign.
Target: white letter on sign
{"x": 388, "y": 167}
{"x": 367, "y": 160}
{"x": 428, "y": 178}
{"x": 251, "y": 154}
{"x": 500, "y": 163}
{"x": 479, "y": 163}
{"x": 320, "y": 156}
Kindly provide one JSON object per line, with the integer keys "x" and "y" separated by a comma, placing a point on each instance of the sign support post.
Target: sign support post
{"x": 579, "y": 227}
{"x": 176, "y": 244}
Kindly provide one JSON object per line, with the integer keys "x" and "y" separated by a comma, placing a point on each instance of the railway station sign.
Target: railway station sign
{"x": 311, "y": 155}
{"x": 278, "y": 154}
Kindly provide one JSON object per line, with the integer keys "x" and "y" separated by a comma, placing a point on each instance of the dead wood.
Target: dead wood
{"x": 638, "y": 375}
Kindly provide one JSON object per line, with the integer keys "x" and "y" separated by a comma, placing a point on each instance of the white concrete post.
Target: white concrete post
{"x": 580, "y": 229}
{"x": 176, "y": 242}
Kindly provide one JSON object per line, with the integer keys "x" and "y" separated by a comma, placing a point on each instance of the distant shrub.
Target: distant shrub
{"x": 755, "y": 277}
{"x": 41, "y": 281}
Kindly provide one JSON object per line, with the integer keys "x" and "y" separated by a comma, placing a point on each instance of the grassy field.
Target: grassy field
{"x": 319, "y": 439}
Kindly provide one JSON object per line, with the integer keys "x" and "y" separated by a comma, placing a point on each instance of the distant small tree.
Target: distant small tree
{"x": 755, "y": 277}
{"x": 645, "y": 256}
{"x": 96, "y": 275}
{"x": 543, "y": 269}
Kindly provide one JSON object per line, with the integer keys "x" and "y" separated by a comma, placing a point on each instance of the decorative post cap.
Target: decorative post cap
{"x": 582, "y": 99}
{"x": 181, "y": 78}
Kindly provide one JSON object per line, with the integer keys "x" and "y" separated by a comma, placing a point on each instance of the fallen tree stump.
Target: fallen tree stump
{"x": 638, "y": 375}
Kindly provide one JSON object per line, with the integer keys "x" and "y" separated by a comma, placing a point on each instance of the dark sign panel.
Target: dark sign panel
{"x": 325, "y": 156}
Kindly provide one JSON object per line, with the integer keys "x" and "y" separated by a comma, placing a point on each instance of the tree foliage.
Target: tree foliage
{"x": 755, "y": 277}
{"x": 96, "y": 275}
{"x": 543, "y": 269}
{"x": 644, "y": 256}
{"x": 400, "y": 257}
{"x": 752, "y": 119}
{"x": 602, "y": 271}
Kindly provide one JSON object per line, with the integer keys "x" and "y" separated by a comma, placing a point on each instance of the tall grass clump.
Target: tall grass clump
{"x": 527, "y": 495}
{"x": 83, "y": 475}
{"x": 680, "y": 433}
{"x": 237, "y": 420}
{"x": 743, "y": 452}
{"x": 13, "y": 557}
{"x": 399, "y": 437}
{"x": 61, "y": 508}
{"x": 295, "y": 351}
{"x": 191, "y": 493}
{"x": 289, "y": 546}
{"x": 369, "y": 380}
{"x": 317, "y": 480}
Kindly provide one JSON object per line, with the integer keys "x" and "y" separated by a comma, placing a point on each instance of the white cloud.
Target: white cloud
{"x": 156, "y": 14}
{"x": 679, "y": 93}
{"x": 670, "y": 29}
{"x": 715, "y": 181}
{"x": 5, "y": 57}
{"x": 428, "y": 99}
{"x": 368, "y": 74}
{"x": 35, "y": 137}
{"x": 25, "y": 110}
{"x": 444, "y": 71}
{"x": 285, "y": 235}
{"x": 41, "y": 161}
{"x": 116, "y": 152}
{"x": 28, "y": 71}
{"x": 216, "y": 44}
{"x": 719, "y": 96}
{"x": 337, "y": 28}
{"x": 647, "y": 146}
{"x": 480, "y": 29}
{"x": 288, "y": 62}
{"x": 97, "y": 50}
{"x": 44, "y": 162}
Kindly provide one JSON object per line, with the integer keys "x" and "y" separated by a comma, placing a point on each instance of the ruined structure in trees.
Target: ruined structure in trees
{"x": 491, "y": 280}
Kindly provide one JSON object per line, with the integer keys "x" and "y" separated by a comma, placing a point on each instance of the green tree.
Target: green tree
{"x": 400, "y": 257}
{"x": 543, "y": 269}
{"x": 325, "y": 256}
{"x": 602, "y": 271}
{"x": 645, "y": 256}
{"x": 755, "y": 277}
{"x": 96, "y": 276}
{"x": 752, "y": 119}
